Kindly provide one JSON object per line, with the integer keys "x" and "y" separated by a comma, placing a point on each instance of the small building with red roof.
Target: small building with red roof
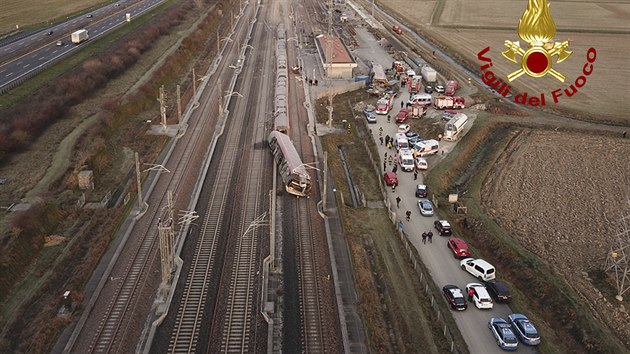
{"x": 341, "y": 63}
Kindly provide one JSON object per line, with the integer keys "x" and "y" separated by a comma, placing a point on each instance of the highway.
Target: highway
{"x": 26, "y": 56}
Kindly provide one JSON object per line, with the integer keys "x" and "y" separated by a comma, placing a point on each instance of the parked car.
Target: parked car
{"x": 428, "y": 89}
{"x": 458, "y": 247}
{"x": 448, "y": 114}
{"x": 421, "y": 191}
{"x": 391, "y": 178}
{"x": 439, "y": 89}
{"x": 412, "y": 141}
{"x": 479, "y": 268}
{"x": 443, "y": 227}
{"x": 370, "y": 114}
{"x": 411, "y": 135}
{"x": 480, "y": 296}
{"x": 421, "y": 164}
{"x": 426, "y": 207}
{"x": 455, "y": 297}
{"x": 502, "y": 332}
{"x": 499, "y": 291}
{"x": 402, "y": 115}
{"x": 403, "y": 128}
{"x": 524, "y": 329}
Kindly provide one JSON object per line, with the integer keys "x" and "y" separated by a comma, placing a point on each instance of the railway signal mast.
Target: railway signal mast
{"x": 618, "y": 259}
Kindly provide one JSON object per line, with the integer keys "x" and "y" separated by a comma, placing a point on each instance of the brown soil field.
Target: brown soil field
{"x": 29, "y": 13}
{"x": 568, "y": 15}
{"x": 467, "y": 28}
{"x": 561, "y": 196}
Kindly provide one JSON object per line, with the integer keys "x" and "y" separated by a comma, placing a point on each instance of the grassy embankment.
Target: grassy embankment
{"x": 33, "y": 277}
{"x": 396, "y": 313}
{"x": 566, "y": 324}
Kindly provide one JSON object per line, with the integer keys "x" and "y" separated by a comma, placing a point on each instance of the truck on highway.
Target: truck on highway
{"x": 447, "y": 102}
{"x": 79, "y": 36}
{"x": 429, "y": 74}
{"x": 451, "y": 86}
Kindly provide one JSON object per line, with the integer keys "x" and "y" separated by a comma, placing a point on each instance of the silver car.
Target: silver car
{"x": 426, "y": 207}
{"x": 370, "y": 114}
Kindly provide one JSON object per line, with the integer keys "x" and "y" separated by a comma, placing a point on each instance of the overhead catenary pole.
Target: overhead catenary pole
{"x": 140, "y": 203}
{"x": 328, "y": 64}
{"x": 179, "y": 105}
{"x": 194, "y": 81}
{"x": 162, "y": 100}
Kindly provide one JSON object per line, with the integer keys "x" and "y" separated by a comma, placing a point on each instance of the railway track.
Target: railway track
{"x": 310, "y": 287}
{"x": 112, "y": 326}
{"x": 237, "y": 186}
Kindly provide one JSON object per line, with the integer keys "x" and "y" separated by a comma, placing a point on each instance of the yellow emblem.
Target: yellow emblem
{"x": 537, "y": 28}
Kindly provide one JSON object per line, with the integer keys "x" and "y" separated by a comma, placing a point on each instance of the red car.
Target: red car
{"x": 391, "y": 178}
{"x": 459, "y": 247}
{"x": 402, "y": 115}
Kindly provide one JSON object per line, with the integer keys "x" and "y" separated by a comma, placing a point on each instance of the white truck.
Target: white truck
{"x": 429, "y": 74}
{"x": 455, "y": 126}
{"x": 79, "y": 36}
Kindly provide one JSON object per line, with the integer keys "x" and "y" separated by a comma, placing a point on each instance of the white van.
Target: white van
{"x": 455, "y": 126}
{"x": 479, "y": 268}
{"x": 406, "y": 160}
{"x": 426, "y": 147}
{"x": 401, "y": 141}
{"x": 423, "y": 99}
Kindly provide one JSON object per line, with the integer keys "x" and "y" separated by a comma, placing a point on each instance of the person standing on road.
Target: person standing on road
{"x": 381, "y": 139}
{"x": 384, "y": 166}
{"x": 380, "y": 131}
{"x": 395, "y": 158}
{"x": 395, "y": 168}
{"x": 430, "y": 236}
{"x": 389, "y": 118}
{"x": 415, "y": 175}
{"x": 390, "y": 160}
{"x": 471, "y": 293}
{"x": 393, "y": 187}
{"x": 398, "y": 202}
{"x": 408, "y": 213}
{"x": 424, "y": 237}
{"x": 402, "y": 104}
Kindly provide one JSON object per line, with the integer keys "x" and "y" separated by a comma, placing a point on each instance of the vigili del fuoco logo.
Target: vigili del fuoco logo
{"x": 537, "y": 29}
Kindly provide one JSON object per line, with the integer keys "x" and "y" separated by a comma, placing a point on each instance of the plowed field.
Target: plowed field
{"x": 561, "y": 196}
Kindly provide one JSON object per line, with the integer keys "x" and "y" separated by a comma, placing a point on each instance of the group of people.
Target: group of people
{"x": 312, "y": 82}
{"x": 428, "y": 235}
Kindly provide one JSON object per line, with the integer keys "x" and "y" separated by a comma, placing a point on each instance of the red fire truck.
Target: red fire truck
{"x": 445, "y": 102}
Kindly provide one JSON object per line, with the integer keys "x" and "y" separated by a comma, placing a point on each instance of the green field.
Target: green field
{"x": 29, "y": 14}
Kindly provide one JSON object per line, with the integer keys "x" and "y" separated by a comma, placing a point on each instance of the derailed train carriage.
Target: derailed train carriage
{"x": 280, "y": 108}
{"x": 295, "y": 177}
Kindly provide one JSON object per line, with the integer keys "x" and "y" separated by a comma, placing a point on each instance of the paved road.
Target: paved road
{"x": 27, "y": 55}
{"x": 444, "y": 268}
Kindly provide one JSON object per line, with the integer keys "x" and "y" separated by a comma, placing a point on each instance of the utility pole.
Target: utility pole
{"x": 162, "y": 100}
{"x": 618, "y": 259}
{"x": 179, "y": 105}
{"x": 328, "y": 64}
{"x": 166, "y": 232}
{"x": 194, "y": 82}
{"x": 140, "y": 203}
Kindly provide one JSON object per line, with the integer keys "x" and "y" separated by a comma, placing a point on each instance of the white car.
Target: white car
{"x": 479, "y": 268}
{"x": 406, "y": 160}
{"x": 480, "y": 297}
{"x": 403, "y": 128}
{"x": 439, "y": 89}
{"x": 421, "y": 163}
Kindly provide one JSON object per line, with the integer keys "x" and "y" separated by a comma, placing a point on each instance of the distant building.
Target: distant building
{"x": 341, "y": 62}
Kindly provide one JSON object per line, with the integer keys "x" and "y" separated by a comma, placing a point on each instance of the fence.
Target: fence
{"x": 429, "y": 289}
